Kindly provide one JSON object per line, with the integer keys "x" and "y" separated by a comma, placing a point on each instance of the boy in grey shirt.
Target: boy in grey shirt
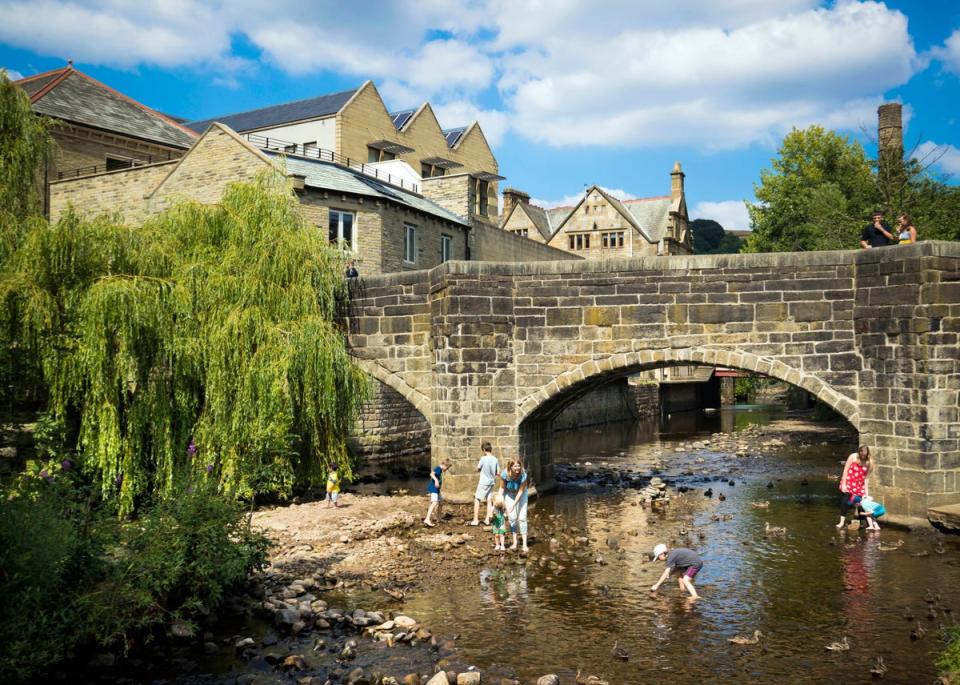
{"x": 488, "y": 466}
{"x": 682, "y": 561}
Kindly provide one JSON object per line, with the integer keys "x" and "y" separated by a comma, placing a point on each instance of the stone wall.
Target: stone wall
{"x": 81, "y": 146}
{"x": 645, "y": 398}
{"x": 116, "y": 191}
{"x": 607, "y": 404}
{"x": 389, "y": 427}
{"x": 873, "y": 334}
{"x": 492, "y": 244}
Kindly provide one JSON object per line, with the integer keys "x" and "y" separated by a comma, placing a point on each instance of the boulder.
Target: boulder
{"x": 468, "y": 678}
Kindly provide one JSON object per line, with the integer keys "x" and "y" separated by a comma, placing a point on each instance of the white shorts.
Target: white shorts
{"x": 332, "y": 496}
{"x": 483, "y": 491}
{"x": 435, "y": 497}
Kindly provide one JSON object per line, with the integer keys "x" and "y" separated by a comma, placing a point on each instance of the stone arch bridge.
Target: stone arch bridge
{"x": 490, "y": 351}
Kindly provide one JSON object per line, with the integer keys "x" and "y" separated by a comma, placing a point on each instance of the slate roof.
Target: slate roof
{"x": 652, "y": 214}
{"x": 299, "y": 110}
{"x": 547, "y": 221}
{"x": 326, "y": 176}
{"x": 71, "y": 95}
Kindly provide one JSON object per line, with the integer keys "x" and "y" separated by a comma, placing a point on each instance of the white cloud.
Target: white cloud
{"x": 946, "y": 157}
{"x": 571, "y": 200}
{"x": 720, "y": 74}
{"x": 462, "y": 112}
{"x": 949, "y": 53}
{"x": 12, "y": 74}
{"x": 731, "y": 214}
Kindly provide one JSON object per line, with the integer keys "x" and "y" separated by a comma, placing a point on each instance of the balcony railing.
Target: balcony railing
{"x": 312, "y": 152}
{"x": 114, "y": 165}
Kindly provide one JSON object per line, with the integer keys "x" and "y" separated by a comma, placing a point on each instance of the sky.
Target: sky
{"x": 569, "y": 93}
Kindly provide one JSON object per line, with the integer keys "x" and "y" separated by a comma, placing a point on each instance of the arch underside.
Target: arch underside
{"x": 420, "y": 401}
{"x": 549, "y": 400}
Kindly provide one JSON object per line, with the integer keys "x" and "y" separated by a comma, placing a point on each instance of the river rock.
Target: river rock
{"x": 549, "y": 679}
{"x": 469, "y": 678}
{"x": 182, "y": 630}
{"x": 404, "y": 622}
{"x": 244, "y": 643}
{"x": 294, "y": 662}
{"x": 437, "y": 679}
{"x": 411, "y": 679}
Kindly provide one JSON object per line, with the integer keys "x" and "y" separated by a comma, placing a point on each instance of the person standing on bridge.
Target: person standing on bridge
{"x": 855, "y": 485}
{"x": 513, "y": 488}
{"x": 876, "y": 233}
{"x": 488, "y": 467}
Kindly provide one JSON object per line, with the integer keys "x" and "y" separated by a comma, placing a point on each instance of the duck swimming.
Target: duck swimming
{"x": 744, "y": 640}
{"x": 842, "y": 646}
{"x": 773, "y": 531}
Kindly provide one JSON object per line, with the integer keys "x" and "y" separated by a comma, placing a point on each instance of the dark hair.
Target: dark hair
{"x": 485, "y": 446}
{"x": 877, "y": 212}
{"x": 903, "y": 215}
{"x": 863, "y": 454}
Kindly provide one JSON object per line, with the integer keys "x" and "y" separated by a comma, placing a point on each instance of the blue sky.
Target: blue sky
{"x": 569, "y": 92}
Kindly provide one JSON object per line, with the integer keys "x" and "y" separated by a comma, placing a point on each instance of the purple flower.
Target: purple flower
{"x": 191, "y": 448}
{"x": 66, "y": 464}
{"x": 209, "y": 468}
{"x": 44, "y": 474}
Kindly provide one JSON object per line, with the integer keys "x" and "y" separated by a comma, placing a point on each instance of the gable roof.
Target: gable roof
{"x": 453, "y": 135}
{"x": 652, "y": 215}
{"x": 71, "y": 95}
{"x": 288, "y": 112}
{"x": 327, "y": 176}
{"x": 400, "y": 119}
{"x": 547, "y": 221}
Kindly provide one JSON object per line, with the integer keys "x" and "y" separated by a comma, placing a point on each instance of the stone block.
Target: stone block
{"x": 601, "y": 316}
{"x": 771, "y": 311}
{"x": 719, "y": 313}
{"x": 810, "y": 311}
{"x": 565, "y": 316}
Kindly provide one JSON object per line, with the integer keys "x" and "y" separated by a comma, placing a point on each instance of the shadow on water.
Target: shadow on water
{"x": 564, "y": 609}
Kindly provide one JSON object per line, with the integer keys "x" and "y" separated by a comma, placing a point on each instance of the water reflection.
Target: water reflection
{"x": 573, "y": 599}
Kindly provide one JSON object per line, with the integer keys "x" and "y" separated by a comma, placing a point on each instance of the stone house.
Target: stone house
{"x": 386, "y": 227}
{"x": 601, "y": 226}
{"x": 99, "y": 129}
{"x": 356, "y": 128}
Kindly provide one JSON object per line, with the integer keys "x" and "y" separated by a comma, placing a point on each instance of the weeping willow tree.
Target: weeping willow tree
{"x": 203, "y": 342}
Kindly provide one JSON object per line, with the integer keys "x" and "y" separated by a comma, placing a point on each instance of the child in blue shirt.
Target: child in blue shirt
{"x": 433, "y": 488}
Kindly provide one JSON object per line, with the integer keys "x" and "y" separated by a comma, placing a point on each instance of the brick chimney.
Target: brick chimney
{"x": 511, "y": 197}
{"x": 890, "y": 127}
{"x": 676, "y": 182}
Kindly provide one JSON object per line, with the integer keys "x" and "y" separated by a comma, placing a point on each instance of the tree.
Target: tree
{"x": 709, "y": 237}
{"x": 203, "y": 341}
{"x": 817, "y": 196}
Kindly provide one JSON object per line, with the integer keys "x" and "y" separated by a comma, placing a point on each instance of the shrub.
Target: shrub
{"x": 949, "y": 659}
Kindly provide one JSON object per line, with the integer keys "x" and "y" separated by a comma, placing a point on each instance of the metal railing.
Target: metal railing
{"x": 114, "y": 165}
{"x": 312, "y": 152}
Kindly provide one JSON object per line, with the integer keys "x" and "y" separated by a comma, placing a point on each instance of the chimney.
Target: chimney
{"x": 890, "y": 128}
{"x": 511, "y": 197}
{"x": 676, "y": 182}
{"x": 297, "y": 182}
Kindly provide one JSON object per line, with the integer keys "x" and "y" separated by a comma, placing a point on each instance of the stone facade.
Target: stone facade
{"x": 389, "y": 427}
{"x": 120, "y": 191}
{"x": 495, "y": 351}
{"x": 607, "y": 404}
{"x": 81, "y": 147}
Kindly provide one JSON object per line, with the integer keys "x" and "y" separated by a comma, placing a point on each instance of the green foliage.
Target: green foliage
{"x": 949, "y": 660}
{"x": 745, "y": 389}
{"x": 817, "y": 196}
{"x": 72, "y": 576}
{"x": 205, "y": 338}
{"x": 709, "y": 237}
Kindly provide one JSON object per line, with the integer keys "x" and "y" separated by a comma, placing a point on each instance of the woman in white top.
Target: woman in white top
{"x": 908, "y": 232}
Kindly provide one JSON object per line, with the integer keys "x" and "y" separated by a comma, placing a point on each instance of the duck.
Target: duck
{"x": 889, "y": 548}
{"x": 879, "y": 668}
{"x": 744, "y": 640}
{"x": 765, "y": 504}
{"x": 918, "y": 632}
{"x": 921, "y": 553}
{"x": 773, "y": 531}
{"x": 708, "y": 492}
{"x": 619, "y": 652}
{"x": 842, "y": 646}
{"x": 908, "y": 615}
{"x": 589, "y": 679}
{"x": 722, "y": 497}
{"x": 939, "y": 549}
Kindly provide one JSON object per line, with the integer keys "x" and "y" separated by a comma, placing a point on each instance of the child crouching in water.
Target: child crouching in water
{"x": 499, "y": 524}
{"x": 685, "y": 563}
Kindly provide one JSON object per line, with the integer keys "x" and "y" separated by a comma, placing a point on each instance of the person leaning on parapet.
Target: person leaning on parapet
{"x": 877, "y": 233}
{"x": 351, "y": 270}
{"x": 488, "y": 467}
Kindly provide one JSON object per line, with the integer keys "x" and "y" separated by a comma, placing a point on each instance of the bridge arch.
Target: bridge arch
{"x": 375, "y": 370}
{"x": 589, "y": 374}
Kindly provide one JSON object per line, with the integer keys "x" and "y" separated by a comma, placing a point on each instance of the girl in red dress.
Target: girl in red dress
{"x": 855, "y": 485}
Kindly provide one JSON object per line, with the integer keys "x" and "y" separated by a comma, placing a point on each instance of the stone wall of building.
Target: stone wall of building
{"x": 81, "y": 146}
{"x": 389, "y": 427}
{"x": 116, "y": 191}
{"x": 645, "y": 399}
{"x": 456, "y": 193}
{"x": 519, "y": 223}
{"x": 491, "y": 244}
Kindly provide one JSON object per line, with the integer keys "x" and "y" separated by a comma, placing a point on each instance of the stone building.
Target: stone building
{"x": 99, "y": 129}
{"x": 601, "y": 226}
{"x": 355, "y": 127}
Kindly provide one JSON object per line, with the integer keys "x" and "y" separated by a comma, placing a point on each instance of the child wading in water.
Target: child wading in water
{"x": 686, "y": 563}
{"x": 433, "y": 488}
{"x": 333, "y": 486}
{"x": 499, "y": 524}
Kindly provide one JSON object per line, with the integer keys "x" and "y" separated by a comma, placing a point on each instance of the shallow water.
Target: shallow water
{"x": 803, "y": 591}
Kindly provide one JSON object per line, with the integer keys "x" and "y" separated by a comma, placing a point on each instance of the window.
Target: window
{"x": 409, "y": 244}
{"x": 612, "y": 239}
{"x": 586, "y": 209}
{"x": 446, "y": 247}
{"x": 482, "y": 189}
{"x": 310, "y": 149}
{"x": 114, "y": 163}
{"x": 377, "y": 155}
{"x": 523, "y": 232}
{"x": 428, "y": 170}
{"x": 290, "y": 149}
{"x": 580, "y": 241}
{"x": 341, "y": 229}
